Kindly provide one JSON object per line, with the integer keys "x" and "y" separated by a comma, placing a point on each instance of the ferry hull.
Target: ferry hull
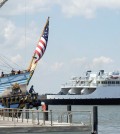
{"x": 101, "y": 92}
{"x": 104, "y": 101}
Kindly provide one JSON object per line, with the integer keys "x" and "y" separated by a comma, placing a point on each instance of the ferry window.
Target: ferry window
{"x": 109, "y": 82}
{"x": 117, "y": 82}
{"x": 105, "y": 82}
{"x": 113, "y": 82}
{"x": 82, "y": 82}
{"x": 98, "y": 82}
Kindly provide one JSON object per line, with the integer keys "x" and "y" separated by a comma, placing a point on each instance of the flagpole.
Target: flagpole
{"x": 34, "y": 53}
{"x": 33, "y": 57}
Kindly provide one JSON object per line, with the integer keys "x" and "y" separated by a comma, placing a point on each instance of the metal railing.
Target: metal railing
{"x": 45, "y": 118}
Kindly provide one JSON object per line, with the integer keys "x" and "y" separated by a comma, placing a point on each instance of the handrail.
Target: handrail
{"x": 31, "y": 116}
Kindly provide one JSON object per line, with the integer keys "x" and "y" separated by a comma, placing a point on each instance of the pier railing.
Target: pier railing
{"x": 38, "y": 117}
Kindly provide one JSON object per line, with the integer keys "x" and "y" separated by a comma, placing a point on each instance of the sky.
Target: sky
{"x": 83, "y": 35}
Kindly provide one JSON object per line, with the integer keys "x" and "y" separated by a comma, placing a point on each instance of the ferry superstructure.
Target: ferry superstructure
{"x": 92, "y": 86}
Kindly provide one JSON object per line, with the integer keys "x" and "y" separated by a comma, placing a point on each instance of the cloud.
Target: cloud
{"x": 102, "y": 60}
{"x": 17, "y": 37}
{"x": 57, "y": 65}
{"x": 86, "y": 8}
{"x": 7, "y": 29}
{"x": 79, "y": 61}
{"x": 70, "y": 8}
{"x": 21, "y": 6}
{"x": 17, "y": 59}
{"x": 83, "y": 63}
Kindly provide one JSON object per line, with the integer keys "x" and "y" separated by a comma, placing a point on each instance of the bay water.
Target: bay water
{"x": 108, "y": 117}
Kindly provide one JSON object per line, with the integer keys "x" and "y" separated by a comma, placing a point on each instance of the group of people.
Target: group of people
{"x": 13, "y": 72}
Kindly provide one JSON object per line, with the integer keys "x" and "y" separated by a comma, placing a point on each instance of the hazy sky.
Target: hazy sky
{"x": 84, "y": 35}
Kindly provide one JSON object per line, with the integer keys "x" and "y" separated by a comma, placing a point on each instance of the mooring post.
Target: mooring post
{"x": 95, "y": 120}
{"x": 27, "y": 110}
{"x": 69, "y": 117}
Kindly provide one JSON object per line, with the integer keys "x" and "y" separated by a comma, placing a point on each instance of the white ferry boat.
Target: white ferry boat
{"x": 94, "y": 85}
{"x": 91, "y": 82}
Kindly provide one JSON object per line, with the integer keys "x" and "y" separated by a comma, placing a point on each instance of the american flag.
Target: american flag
{"x": 42, "y": 43}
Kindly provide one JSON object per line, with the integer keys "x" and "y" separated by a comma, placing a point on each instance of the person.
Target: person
{"x": 19, "y": 72}
{"x": 13, "y": 72}
{"x": 2, "y": 74}
{"x": 43, "y": 106}
{"x": 31, "y": 90}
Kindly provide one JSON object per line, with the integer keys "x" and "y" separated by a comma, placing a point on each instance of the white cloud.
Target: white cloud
{"x": 87, "y": 8}
{"x": 7, "y": 29}
{"x": 17, "y": 37}
{"x": 79, "y": 61}
{"x": 21, "y": 6}
{"x": 83, "y": 63}
{"x": 70, "y": 8}
{"x": 102, "y": 60}
{"x": 17, "y": 59}
{"x": 56, "y": 66}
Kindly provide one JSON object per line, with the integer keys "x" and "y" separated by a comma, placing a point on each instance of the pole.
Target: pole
{"x": 69, "y": 117}
{"x": 95, "y": 120}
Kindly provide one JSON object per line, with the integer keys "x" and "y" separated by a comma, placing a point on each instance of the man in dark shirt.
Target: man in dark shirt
{"x": 31, "y": 90}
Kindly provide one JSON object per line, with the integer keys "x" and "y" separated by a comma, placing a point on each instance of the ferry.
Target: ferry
{"x": 94, "y": 85}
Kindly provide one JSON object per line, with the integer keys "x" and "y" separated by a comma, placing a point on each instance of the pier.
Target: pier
{"x": 34, "y": 121}
{"x": 25, "y": 119}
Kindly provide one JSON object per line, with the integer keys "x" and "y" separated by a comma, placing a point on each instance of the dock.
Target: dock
{"x": 34, "y": 121}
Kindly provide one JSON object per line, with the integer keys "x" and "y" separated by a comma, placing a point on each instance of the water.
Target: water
{"x": 108, "y": 118}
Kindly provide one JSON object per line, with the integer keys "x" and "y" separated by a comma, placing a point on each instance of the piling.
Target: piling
{"x": 69, "y": 117}
{"x": 95, "y": 120}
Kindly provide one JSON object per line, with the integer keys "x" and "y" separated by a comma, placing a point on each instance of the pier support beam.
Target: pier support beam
{"x": 95, "y": 120}
{"x": 69, "y": 117}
